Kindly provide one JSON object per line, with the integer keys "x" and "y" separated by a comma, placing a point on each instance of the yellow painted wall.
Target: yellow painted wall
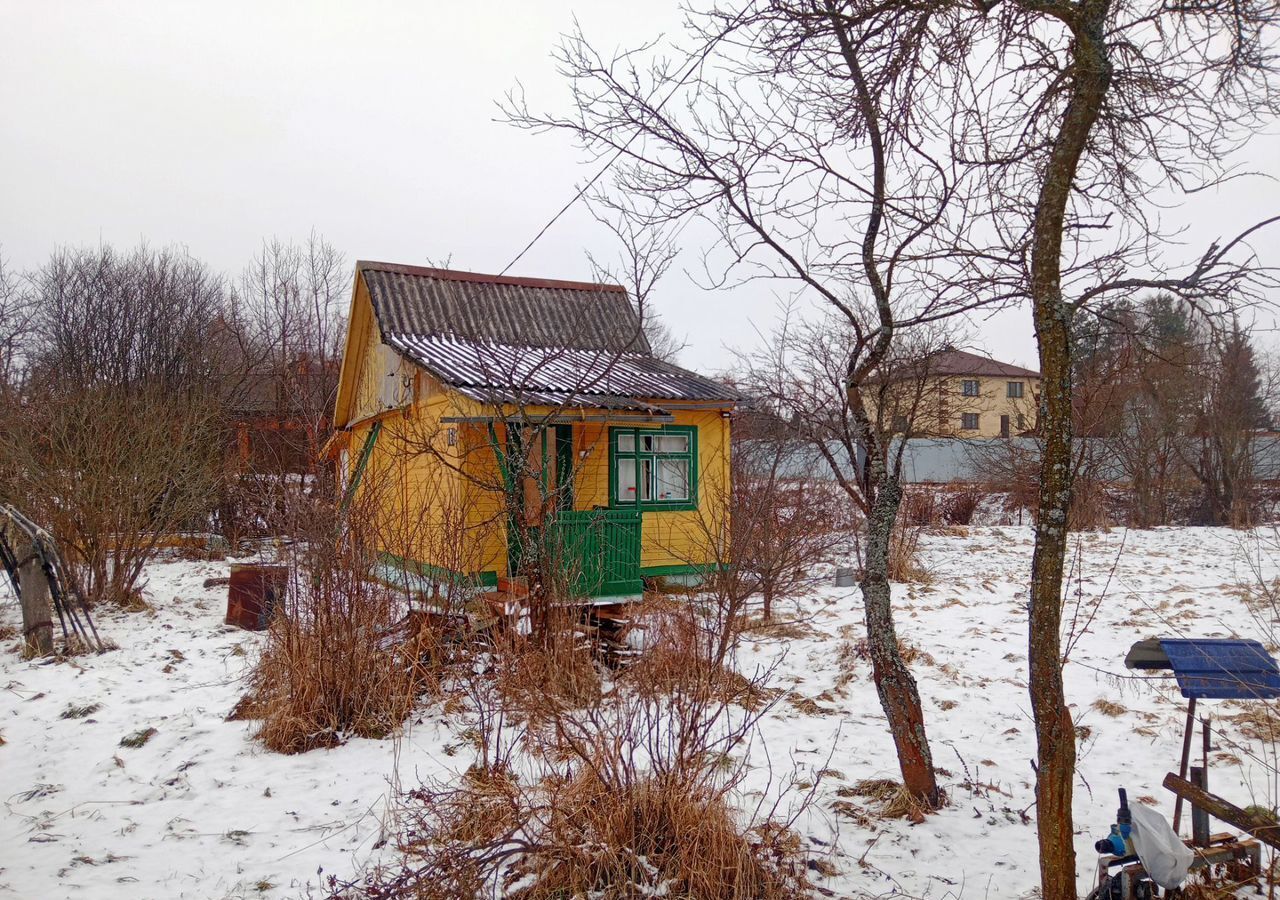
{"x": 668, "y": 537}
{"x": 411, "y": 499}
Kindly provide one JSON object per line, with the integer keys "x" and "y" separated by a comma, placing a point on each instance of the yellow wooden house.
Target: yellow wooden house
{"x": 482, "y": 417}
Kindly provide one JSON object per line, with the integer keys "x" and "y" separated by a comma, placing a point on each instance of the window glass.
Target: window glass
{"x": 1015, "y": 389}
{"x": 673, "y": 479}
{"x": 969, "y": 421}
{"x": 970, "y": 387}
{"x": 626, "y": 480}
{"x": 654, "y": 468}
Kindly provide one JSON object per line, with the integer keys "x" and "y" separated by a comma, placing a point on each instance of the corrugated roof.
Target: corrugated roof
{"x": 561, "y": 370}
{"x": 959, "y": 362}
{"x": 571, "y": 342}
{"x": 562, "y": 399}
{"x": 517, "y": 311}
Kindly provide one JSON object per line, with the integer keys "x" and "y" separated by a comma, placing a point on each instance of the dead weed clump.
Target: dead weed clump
{"x": 895, "y": 801}
{"x": 905, "y": 563}
{"x": 559, "y": 670}
{"x": 681, "y": 655}
{"x": 1260, "y": 721}
{"x": 655, "y": 835}
{"x": 1109, "y": 708}
{"x": 585, "y": 835}
{"x": 341, "y": 657}
{"x": 910, "y": 653}
{"x": 329, "y": 668}
{"x": 959, "y": 506}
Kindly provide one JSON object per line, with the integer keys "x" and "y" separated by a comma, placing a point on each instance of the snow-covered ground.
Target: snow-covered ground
{"x": 200, "y": 810}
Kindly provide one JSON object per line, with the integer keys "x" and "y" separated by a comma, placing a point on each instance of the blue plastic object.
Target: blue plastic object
{"x": 1117, "y": 842}
{"x": 1222, "y": 668}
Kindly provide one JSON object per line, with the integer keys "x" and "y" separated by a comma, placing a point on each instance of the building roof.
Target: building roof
{"x": 531, "y": 312}
{"x": 950, "y": 361}
{"x": 527, "y": 340}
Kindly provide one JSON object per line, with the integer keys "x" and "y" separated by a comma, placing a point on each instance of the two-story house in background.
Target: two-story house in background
{"x": 954, "y": 393}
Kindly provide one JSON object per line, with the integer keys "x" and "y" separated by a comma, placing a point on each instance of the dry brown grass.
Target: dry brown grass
{"x": 910, "y": 653}
{"x": 1260, "y": 721}
{"x": 893, "y": 800}
{"x": 881, "y": 789}
{"x": 656, "y": 833}
{"x": 905, "y": 563}
{"x": 847, "y": 661}
{"x": 339, "y": 659}
{"x": 1090, "y": 508}
{"x": 1109, "y": 708}
{"x": 680, "y": 656}
{"x": 560, "y": 670}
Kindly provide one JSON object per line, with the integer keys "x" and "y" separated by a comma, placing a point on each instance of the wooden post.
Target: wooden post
{"x": 1199, "y": 817}
{"x": 1264, "y": 830}
{"x": 33, "y": 591}
{"x": 1186, "y": 760}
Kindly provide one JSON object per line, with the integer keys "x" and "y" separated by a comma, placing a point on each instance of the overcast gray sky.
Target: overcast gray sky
{"x": 217, "y": 124}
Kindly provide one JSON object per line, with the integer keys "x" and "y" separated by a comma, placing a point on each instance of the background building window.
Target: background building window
{"x": 900, "y": 425}
{"x": 1014, "y": 390}
{"x": 969, "y": 421}
{"x": 969, "y": 387}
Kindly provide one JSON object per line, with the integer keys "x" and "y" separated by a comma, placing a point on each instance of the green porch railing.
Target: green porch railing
{"x": 599, "y": 550}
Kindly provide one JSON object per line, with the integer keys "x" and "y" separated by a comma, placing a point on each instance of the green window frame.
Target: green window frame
{"x": 644, "y": 469}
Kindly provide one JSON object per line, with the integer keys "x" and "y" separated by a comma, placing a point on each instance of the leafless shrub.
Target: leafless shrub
{"x": 905, "y": 557}
{"x": 342, "y": 656}
{"x": 590, "y": 785}
{"x": 1090, "y": 508}
{"x": 959, "y": 506}
{"x": 114, "y": 437}
{"x": 784, "y": 522}
{"x": 111, "y": 474}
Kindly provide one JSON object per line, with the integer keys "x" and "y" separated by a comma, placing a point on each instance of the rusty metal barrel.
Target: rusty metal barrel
{"x": 254, "y": 593}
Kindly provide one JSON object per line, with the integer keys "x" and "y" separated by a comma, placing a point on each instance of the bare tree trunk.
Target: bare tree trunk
{"x": 1055, "y": 733}
{"x": 894, "y": 682}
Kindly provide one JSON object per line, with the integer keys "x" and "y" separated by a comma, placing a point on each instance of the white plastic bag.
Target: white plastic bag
{"x": 1163, "y": 855}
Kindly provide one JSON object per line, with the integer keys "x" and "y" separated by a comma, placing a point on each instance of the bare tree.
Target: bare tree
{"x": 293, "y": 299}
{"x": 646, "y": 253}
{"x": 794, "y": 130}
{"x": 15, "y": 320}
{"x": 121, "y": 414}
{"x": 1077, "y": 112}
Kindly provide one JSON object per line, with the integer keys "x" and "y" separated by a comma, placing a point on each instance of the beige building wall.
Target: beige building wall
{"x": 974, "y": 406}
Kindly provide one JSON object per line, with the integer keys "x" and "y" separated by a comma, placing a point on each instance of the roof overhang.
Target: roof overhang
{"x": 561, "y": 418}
